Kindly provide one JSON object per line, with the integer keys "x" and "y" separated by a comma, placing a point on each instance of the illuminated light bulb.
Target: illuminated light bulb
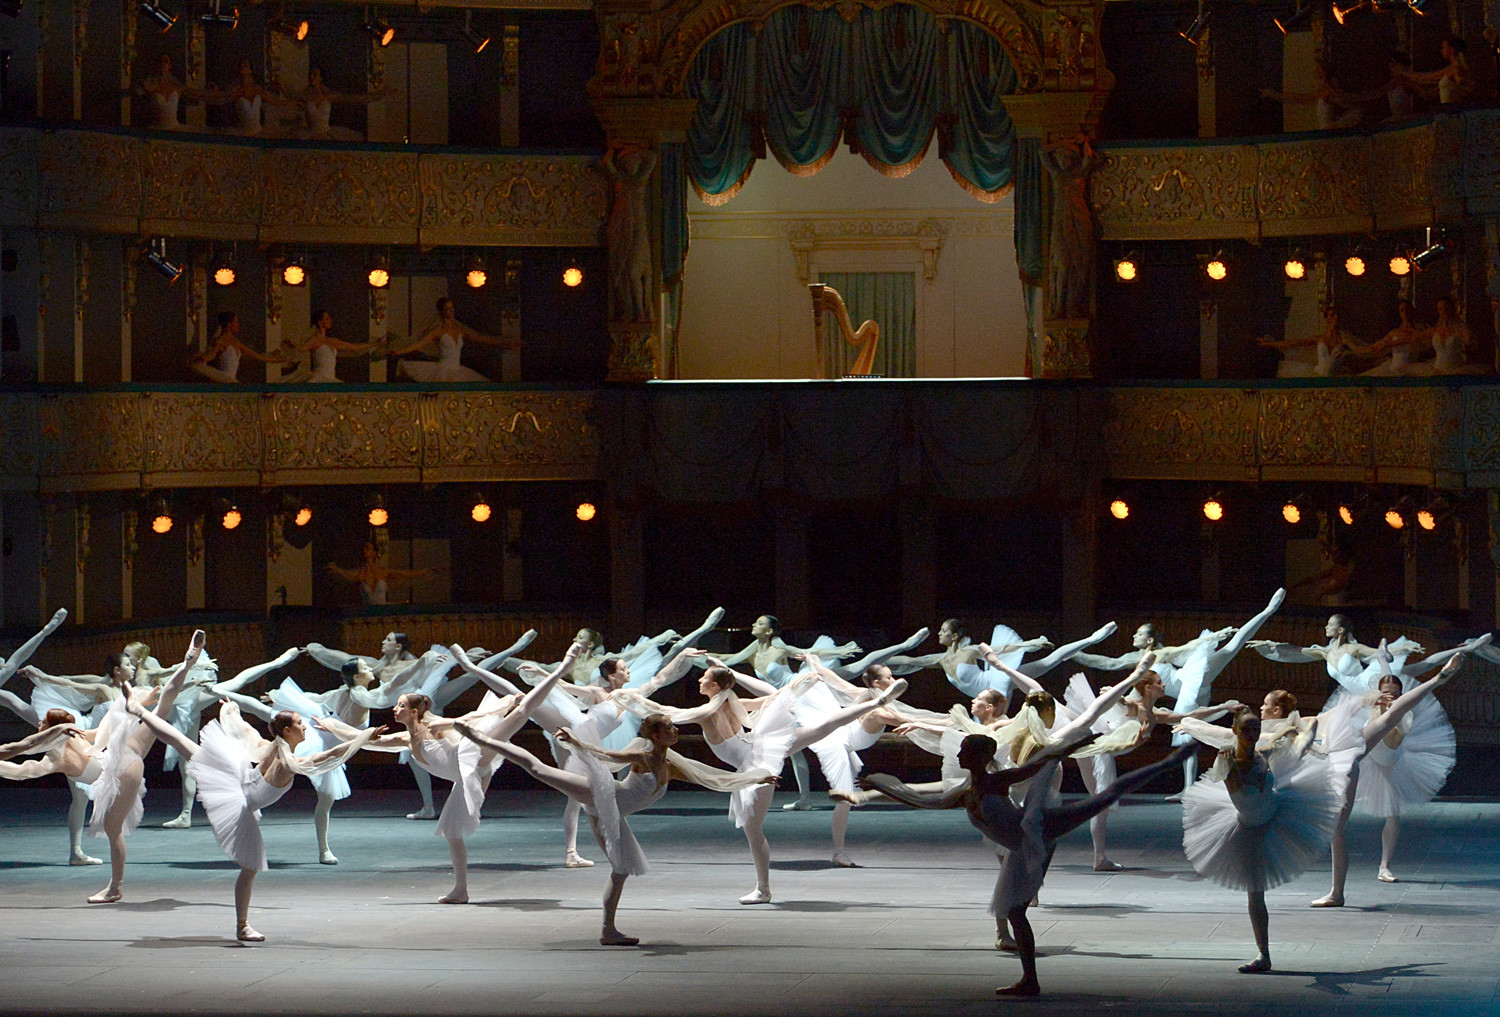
{"x": 224, "y": 275}
{"x": 1393, "y": 519}
{"x": 572, "y": 277}
{"x": 480, "y": 513}
{"x": 1291, "y": 513}
{"x": 379, "y": 278}
{"x": 1346, "y": 515}
{"x": 1119, "y": 508}
{"x": 303, "y": 516}
{"x": 1295, "y": 268}
{"x": 586, "y": 512}
{"x": 1354, "y": 265}
{"x": 161, "y": 524}
{"x": 232, "y": 519}
{"x": 294, "y": 274}
{"x": 1426, "y": 520}
{"x": 1126, "y": 270}
{"x": 1213, "y": 510}
{"x": 1217, "y": 270}
{"x": 379, "y": 516}
{"x": 476, "y": 278}
{"x": 1400, "y": 264}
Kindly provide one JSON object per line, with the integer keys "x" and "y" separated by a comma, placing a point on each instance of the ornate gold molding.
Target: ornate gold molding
{"x": 251, "y": 190}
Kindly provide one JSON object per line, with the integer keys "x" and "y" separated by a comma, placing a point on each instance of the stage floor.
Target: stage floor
{"x": 905, "y": 934}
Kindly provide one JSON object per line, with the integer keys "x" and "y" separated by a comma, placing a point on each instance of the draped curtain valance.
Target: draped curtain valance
{"x": 884, "y": 83}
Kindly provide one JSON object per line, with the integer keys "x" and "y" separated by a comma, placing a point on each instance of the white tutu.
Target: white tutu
{"x": 116, "y": 757}
{"x": 1079, "y": 697}
{"x": 233, "y": 792}
{"x": 289, "y": 696}
{"x": 1409, "y": 775}
{"x": 625, "y": 855}
{"x": 1259, "y": 839}
{"x": 765, "y": 747}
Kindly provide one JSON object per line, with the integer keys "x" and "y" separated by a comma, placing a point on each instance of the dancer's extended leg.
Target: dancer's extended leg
{"x": 1063, "y": 818}
{"x": 852, "y": 670}
{"x": 1040, "y": 666}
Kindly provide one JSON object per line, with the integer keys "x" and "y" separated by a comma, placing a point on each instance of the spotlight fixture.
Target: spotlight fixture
{"x": 1217, "y": 267}
{"x": 474, "y": 273}
{"x": 1418, "y": 7}
{"x": 161, "y": 516}
{"x": 1291, "y": 511}
{"x": 1119, "y": 508}
{"x": 379, "y": 29}
{"x": 1355, "y": 263}
{"x": 229, "y": 514}
{"x": 1434, "y": 512}
{"x": 1394, "y": 519}
{"x": 378, "y": 515}
{"x": 1346, "y": 513}
{"x": 1213, "y": 507}
{"x": 379, "y": 275}
{"x": 476, "y": 39}
{"x": 1426, "y": 519}
{"x": 303, "y": 515}
{"x": 217, "y": 14}
{"x": 1435, "y": 252}
{"x": 156, "y": 257}
{"x": 1195, "y": 32}
{"x": 481, "y": 511}
{"x": 1128, "y": 268}
{"x": 163, "y": 18}
{"x": 586, "y": 511}
{"x": 1400, "y": 264}
{"x": 1341, "y": 14}
{"x": 572, "y": 277}
{"x": 224, "y": 273}
{"x": 1295, "y": 266}
{"x": 295, "y": 29}
{"x": 294, "y": 272}
{"x": 1300, "y": 17}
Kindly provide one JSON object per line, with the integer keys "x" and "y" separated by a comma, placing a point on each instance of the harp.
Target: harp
{"x": 826, "y": 298}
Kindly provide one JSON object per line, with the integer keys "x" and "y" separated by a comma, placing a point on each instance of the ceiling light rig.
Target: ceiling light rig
{"x": 1196, "y": 32}
{"x": 217, "y": 14}
{"x": 476, "y": 39}
{"x": 1120, "y": 509}
{"x": 1217, "y": 267}
{"x": 159, "y": 15}
{"x": 156, "y": 257}
{"x": 474, "y": 272}
{"x": 295, "y": 29}
{"x": 380, "y": 30}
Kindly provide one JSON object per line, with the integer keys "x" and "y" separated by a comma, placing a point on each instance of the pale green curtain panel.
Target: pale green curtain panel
{"x": 890, "y": 300}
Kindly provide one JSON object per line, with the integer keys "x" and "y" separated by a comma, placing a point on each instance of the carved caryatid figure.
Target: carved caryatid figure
{"x": 867, "y": 336}
{"x": 628, "y": 231}
{"x": 1070, "y": 269}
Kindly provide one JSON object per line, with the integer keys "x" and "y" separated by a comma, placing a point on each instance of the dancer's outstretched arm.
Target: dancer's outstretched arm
{"x": 336, "y": 659}
{"x": 25, "y": 650}
{"x": 388, "y": 741}
{"x": 1287, "y": 653}
{"x": 38, "y": 741}
{"x": 255, "y": 673}
{"x": 888, "y": 655}
{"x": 1023, "y": 681}
{"x": 1037, "y": 668}
{"x": 632, "y": 700}
{"x": 87, "y": 684}
{"x": 694, "y": 637}
{"x": 247, "y": 704}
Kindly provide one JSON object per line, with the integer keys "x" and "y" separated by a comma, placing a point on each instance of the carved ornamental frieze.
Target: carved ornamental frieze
{"x": 370, "y": 197}
{"x": 524, "y": 435}
{"x": 1176, "y": 193}
{"x": 470, "y": 199}
{"x": 209, "y": 190}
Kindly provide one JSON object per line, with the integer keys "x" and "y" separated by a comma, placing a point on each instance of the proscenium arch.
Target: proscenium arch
{"x": 1001, "y": 20}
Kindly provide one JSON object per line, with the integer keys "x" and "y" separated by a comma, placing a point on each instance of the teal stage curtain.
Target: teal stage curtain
{"x": 890, "y": 299}
{"x": 882, "y": 83}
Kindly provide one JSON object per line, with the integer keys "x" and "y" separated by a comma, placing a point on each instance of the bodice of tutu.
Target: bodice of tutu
{"x": 261, "y": 793}
{"x": 450, "y": 348}
{"x": 972, "y": 678}
{"x": 324, "y": 365}
{"x": 777, "y": 673}
{"x": 319, "y": 112}
{"x": 1256, "y": 803}
{"x": 165, "y": 108}
{"x": 375, "y": 593}
{"x": 1448, "y": 351}
{"x": 638, "y": 791}
{"x": 247, "y": 112}
{"x": 229, "y": 361}
{"x": 1448, "y": 89}
{"x": 440, "y": 758}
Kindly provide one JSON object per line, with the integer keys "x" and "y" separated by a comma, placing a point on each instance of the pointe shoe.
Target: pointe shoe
{"x": 574, "y": 860}
{"x": 757, "y": 896}
{"x": 454, "y": 897}
{"x": 106, "y": 896}
{"x": 1256, "y": 966}
{"x": 425, "y": 812}
{"x": 184, "y": 821}
{"x": 1006, "y": 943}
{"x": 1385, "y": 876}
{"x": 1024, "y": 987}
{"x": 892, "y": 691}
{"x": 614, "y": 937}
{"x": 1173, "y": 798}
{"x": 79, "y": 858}
{"x": 1330, "y": 901}
{"x": 843, "y": 861}
{"x": 327, "y": 858}
{"x": 1105, "y": 865}
{"x": 245, "y": 934}
{"x": 800, "y": 805}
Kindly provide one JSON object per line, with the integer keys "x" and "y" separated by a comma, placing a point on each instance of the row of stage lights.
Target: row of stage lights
{"x": 1398, "y": 515}
{"x": 1297, "y": 264}
{"x": 228, "y": 16}
{"x": 300, "y": 513}
{"x": 1300, "y": 16}
{"x": 295, "y": 271}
